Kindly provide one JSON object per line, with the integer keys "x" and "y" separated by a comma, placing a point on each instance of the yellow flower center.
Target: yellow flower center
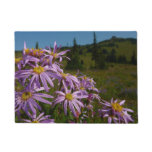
{"x": 26, "y": 95}
{"x": 117, "y": 107}
{"x": 35, "y": 121}
{"x": 41, "y": 52}
{"x": 69, "y": 96}
{"x": 84, "y": 77}
{"x": 17, "y": 60}
{"x": 27, "y": 51}
{"x": 82, "y": 88}
{"x": 35, "y": 52}
{"x": 75, "y": 75}
{"x": 38, "y": 70}
{"x": 91, "y": 80}
{"x": 64, "y": 75}
{"x": 54, "y": 54}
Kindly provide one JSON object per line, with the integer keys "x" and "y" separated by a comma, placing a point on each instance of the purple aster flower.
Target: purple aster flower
{"x": 22, "y": 61}
{"x": 26, "y": 100}
{"x": 93, "y": 89}
{"x": 73, "y": 100}
{"x": 39, "y": 74}
{"x": 93, "y": 96}
{"x": 33, "y": 52}
{"x": 115, "y": 110}
{"x": 67, "y": 79}
{"x": 19, "y": 62}
{"x": 111, "y": 118}
{"x": 41, "y": 118}
{"x": 53, "y": 55}
{"x": 87, "y": 81}
{"x": 83, "y": 116}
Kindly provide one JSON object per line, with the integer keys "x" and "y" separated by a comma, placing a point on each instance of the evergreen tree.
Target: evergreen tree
{"x": 100, "y": 60}
{"x": 133, "y": 59}
{"x": 95, "y": 48}
{"x": 122, "y": 59}
{"x": 37, "y": 45}
{"x": 113, "y": 55}
{"x": 75, "y": 62}
{"x": 98, "y": 55}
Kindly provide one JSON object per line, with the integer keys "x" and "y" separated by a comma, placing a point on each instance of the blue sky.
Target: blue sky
{"x": 65, "y": 38}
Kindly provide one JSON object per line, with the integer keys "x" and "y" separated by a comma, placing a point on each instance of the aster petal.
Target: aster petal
{"x": 105, "y": 110}
{"x": 41, "y": 114}
{"x": 60, "y": 59}
{"x": 112, "y": 100}
{"x": 55, "y": 47}
{"x": 76, "y": 92}
{"x": 44, "y": 95}
{"x": 48, "y": 121}
{"x": 129, "y": 110}
{"x": 24, "y": 45}
{"x": 36, "y": 105}
{"x": 63, "y": 52}
{"x": 79, "y": 103}
{"x": 44, "y": 117}
{"x": 72, "y": 109}
{"x": 115, "y": 101}
{"x": 32, "y": 107}
{"x": 65, "y": 107}
{"x": 106, "y": 115}
{"x": 59, "y": 99}
{"x": 81, "y": 96}
{"x": 44, "y": 83}
{"x": 67, "y": 58}
{"x": 48, "y": 79}
{"x": 109, "y": 119}
{"x": 19, "y": 107}
{"x": 60, "y": 93}
{"x": 76, "y": 106}
{"x": 73, "y": 78}
{"x": 41, "y": 100}
{"x": 26, "y": 120}
{"x": 32, "y": 80}
{"x": 122, "y": 102}
{"x": 38, "y": 82}
{"x": 48, "y": 51}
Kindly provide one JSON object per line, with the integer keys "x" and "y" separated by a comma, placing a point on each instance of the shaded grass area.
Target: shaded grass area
{"x": 118, "y": 81}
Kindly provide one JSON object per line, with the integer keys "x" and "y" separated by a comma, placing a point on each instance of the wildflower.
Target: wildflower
{"x": 111, "y": 118}
{"x": 93, "y": 89}
{"x": 39, "y": 119}
{"x": 70, "y": 99}
{"x": 67, "y": 79}
{"x": 32, "y": 52}
{"x": 38, "y": 73}
{"x": 87, "y": 81}
{"x": 93, "y": 96}
{"x": 22, "y": 61}
{"x": 115, "y": 111}
{"x": 53, "y": 55}
{"x": 26, "y": 100}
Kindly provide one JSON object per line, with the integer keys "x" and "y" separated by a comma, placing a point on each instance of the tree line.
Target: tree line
{"x": 100, "y": 56}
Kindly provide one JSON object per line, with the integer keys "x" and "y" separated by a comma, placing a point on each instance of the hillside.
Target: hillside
{"x": 122, "y": 46}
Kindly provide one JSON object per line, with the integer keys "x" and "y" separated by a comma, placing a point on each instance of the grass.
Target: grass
{"x": 118, "y": 81}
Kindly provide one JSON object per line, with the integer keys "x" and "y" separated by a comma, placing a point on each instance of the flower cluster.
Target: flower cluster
{"x": 43, "y": 82}
{"x": 115, "y": 112}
